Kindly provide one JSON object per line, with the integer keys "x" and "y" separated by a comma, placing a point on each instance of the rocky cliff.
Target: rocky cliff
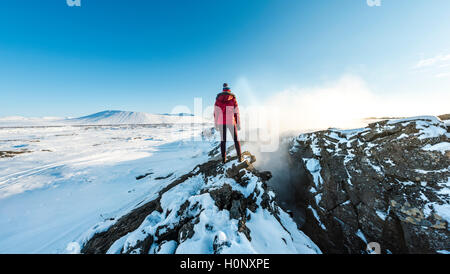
{"x": 215, "y": 208}
{"x": 387, "y": 183}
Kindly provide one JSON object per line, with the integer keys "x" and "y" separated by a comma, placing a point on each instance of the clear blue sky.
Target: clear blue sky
{"x": 57, "y": 60}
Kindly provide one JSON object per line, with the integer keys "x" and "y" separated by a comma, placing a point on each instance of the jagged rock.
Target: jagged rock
{"x": 244, "y": 229}
{"x": 101, "y": 242}
{"x": 222, "y": 196}
{"x": 10, "y": 154}
{"x": 220, "y": 241}
{"x": 235, "y": 209}
{"x": 210, "y": 203}
{"x": 186, "y": 232}
{"x": 386, "y": 183}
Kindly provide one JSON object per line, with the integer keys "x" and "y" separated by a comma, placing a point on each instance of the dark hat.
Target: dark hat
{"x": 225, "y": 87}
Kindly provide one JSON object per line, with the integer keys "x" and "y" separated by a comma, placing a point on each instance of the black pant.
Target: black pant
{"x": 223, "y": 135}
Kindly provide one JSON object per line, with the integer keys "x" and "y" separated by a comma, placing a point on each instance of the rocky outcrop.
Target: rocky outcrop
{"x": 10, "y": 154}
{"x": 387, "y": 183}
{"x": 215, "y": 208}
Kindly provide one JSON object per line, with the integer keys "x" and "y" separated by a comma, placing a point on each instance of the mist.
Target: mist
{"x": 346, "y": 103}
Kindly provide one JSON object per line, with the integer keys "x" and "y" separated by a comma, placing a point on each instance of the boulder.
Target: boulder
{"x": 386, "y": 183}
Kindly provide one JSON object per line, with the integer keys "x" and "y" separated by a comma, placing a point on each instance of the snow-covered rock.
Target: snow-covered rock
{"x": 215, "y": 208}
{"x": 389, "y": 182}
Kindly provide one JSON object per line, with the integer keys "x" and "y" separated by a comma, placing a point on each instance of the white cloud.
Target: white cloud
{"x": 437, "y": 60}
{"x": 443, "y": 75}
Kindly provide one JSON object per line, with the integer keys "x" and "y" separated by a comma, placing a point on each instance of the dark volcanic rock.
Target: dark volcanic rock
{"x": 386, "y": 183}
{"x": 210, "y": 207}
{"x": 10, "y": 154}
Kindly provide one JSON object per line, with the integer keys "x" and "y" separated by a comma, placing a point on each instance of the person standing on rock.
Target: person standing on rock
{"x": 226, "y": 118}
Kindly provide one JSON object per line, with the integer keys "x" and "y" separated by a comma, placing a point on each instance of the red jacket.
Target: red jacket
{"x": 226, "y": 110}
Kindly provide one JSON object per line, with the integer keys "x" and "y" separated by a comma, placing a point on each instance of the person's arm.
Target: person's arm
{"x": 216, "y": 115}
{"x": 237, "y": 117}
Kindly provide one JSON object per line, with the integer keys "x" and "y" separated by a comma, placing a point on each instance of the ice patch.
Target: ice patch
{"x": 317, "y": 217}
{"x": 313, "y": 165}
{"x": 73, "y": 248}
{"x": 441, "y": 147}
{"x": 167, "y": 247}
{"x": 361, "y": 235}
{"x": 443, "y": 252}
{"x": 443, "y": 211}
{"x": 381, "y": 214}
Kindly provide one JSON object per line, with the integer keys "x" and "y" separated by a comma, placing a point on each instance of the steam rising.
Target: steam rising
{"x": 341, "y": 104}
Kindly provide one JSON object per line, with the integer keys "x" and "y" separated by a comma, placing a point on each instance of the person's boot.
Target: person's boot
{"x": 240, "y": 158}
{"x": 224, "y": 159}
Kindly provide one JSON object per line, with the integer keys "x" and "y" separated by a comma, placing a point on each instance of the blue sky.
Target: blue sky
{"x": 57, "y": 60}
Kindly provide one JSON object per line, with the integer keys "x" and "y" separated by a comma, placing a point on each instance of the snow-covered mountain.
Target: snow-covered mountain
{"x": 114, "y": 117}
{"x": 107, "y": 117}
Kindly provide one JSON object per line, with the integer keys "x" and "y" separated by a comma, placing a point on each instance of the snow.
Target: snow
{"x": 443, "y": 211}
{"x": 108, "y": 117}
{"x": 314, "y": 146}
{"x": 317, "y": 217}
{"x": 215, "y": 226}
{"x": 270, "y": 239}
{"x": 360, "y": 234}
{"x": 443, "y": 252}
{"x": 313, "y": 166}
{"x": 441, "y": 147}
{"x": 77, "y": 181}
{"x": 381, "y": 214}
{"x": 431, "y": 171}
{"x": 390, "y": 162}
{"x": 431, "y": 119}
{"x": 78, "y": 176}
{"x": 73, "y": 248}
{"x": 116, "y": 247}
{"x": 318, "y": 198}
{"x": 376, "y": 168}
{"x": 129, "y": 117}
{"x": 429, "y": 131}
{"x": 167, "y": 247}
{"x": 428, "y": 126}
{"x": 445, "y": 190}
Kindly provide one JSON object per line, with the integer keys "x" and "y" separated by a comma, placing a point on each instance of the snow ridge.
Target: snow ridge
{"x": 213, "y": 209}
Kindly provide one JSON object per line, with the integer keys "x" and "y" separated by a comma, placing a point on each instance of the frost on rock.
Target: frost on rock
{"x": 388, "y": 181}
{"x": 215, "y": 208}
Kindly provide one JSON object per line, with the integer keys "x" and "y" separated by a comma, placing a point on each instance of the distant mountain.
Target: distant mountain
{"x": 110, "y": 117}
{"x": 178, "y": 114}
{"x": 107, "y": 117}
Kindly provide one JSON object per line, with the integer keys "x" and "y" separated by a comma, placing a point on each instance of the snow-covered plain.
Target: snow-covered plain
{"x": 71, "y": 177}
{"x": 62, "y": 181}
